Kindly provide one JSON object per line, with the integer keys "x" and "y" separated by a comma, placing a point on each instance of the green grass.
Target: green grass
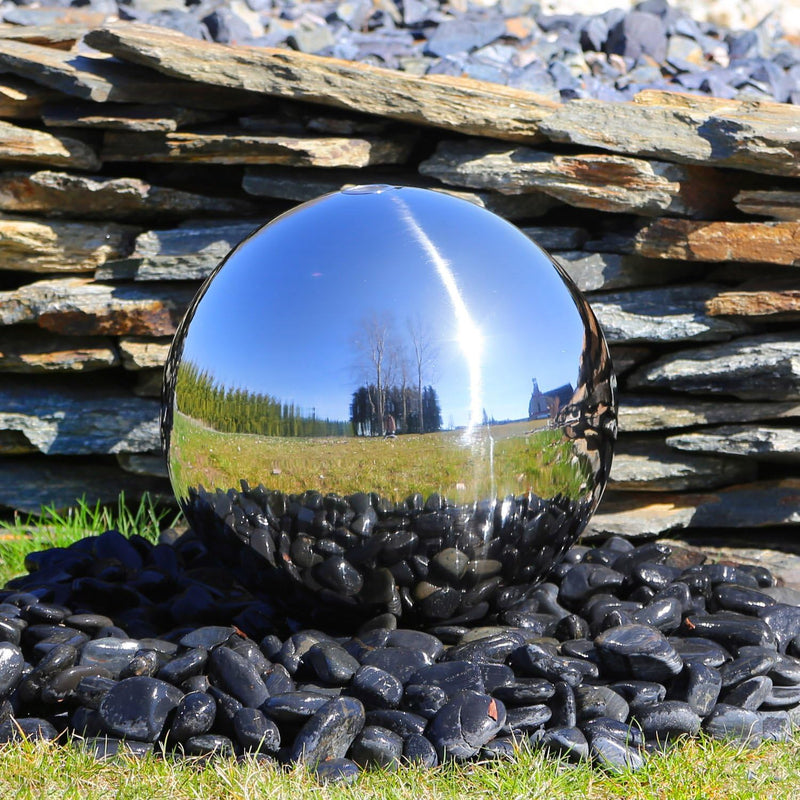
{"x": 697, "y": 769}
{"x": 51, "y": 528}
{"x": 526, "y": 457}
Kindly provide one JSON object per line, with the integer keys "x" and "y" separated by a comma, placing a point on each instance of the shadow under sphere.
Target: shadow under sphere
{"x": 398, "y": 401}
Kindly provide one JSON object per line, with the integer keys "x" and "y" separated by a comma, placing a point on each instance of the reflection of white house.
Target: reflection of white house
{"x": 545, "y": 405}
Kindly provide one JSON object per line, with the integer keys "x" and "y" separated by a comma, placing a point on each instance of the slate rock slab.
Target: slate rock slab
{"x": 65, "y": 194}
{"x": 611, "y": 183}
{"x": 764, "y": 367}
{"x": 669, "y": 314}
{"x": 685, "y": 128}
{"x": 33, "y": 245}
{"x": 77, "y": 306}
{"x": 651, "y": 464}
{"x": 29, "y": 146}
{"x": 30, "y": 350}
{"x": 758, "y": 442}
{"x": 79, "y": 420}
{"x": 463, "y": 106}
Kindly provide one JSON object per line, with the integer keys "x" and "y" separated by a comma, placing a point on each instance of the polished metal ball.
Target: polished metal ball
{"x": 389, "y": 400}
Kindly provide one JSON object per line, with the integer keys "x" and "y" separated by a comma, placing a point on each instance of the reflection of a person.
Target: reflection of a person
{"x": 390, "y": 426}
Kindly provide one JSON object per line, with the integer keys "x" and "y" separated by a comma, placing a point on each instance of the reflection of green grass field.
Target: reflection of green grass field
{"x": 526, "y": 457}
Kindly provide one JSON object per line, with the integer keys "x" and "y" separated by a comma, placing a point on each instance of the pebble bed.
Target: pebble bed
{"x": 609, "y": 56}
{"x": 139, "y": 648}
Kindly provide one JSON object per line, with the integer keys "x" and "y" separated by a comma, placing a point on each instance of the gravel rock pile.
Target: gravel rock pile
{"x": 139, "y": 648}
{"x": 608, "y": 56}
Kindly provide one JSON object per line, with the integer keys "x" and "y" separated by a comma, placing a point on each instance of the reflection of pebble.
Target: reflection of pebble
{"x": 420, "y": 559}
{"x": 570, "y": 675}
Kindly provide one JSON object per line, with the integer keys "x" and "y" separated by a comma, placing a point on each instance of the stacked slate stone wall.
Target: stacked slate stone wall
{"x": 124, "y": 181}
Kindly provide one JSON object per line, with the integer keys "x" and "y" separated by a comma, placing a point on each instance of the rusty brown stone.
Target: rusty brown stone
{"x": 593, "y": 272}
{"x": 77, "y": 306}
{"x": 663, "y": 314}
{"x": 32, "y": 245}
{"x": 28, "y": 146}
{"x": 754, "y": 242}
{"x": 141, "y": 353}
{"x": 777, "y": 301}
{"x": 27, "y": 349}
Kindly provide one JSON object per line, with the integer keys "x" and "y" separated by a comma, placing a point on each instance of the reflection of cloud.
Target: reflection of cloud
{"x": 468, "y": 335}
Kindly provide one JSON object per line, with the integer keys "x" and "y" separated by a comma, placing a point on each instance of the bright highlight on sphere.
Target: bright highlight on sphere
{"x": 389, "y": 400}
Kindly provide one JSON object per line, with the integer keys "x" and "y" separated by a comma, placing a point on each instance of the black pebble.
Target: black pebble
{"x": 194, "y": 716}
{"x": 137, "y": 708}
{"x": 377, "y": 747}
{"x": 237, "y": 676}
{"x": 419, "y": 750}
{"x": 638, "y": 651}
{"x": 329, "y": 732}
{"x": 465, "y": 724}
{"x": 255, "y": 732}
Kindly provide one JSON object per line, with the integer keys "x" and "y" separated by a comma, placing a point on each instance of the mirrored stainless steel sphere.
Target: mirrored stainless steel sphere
{"x": 389, "y": 400}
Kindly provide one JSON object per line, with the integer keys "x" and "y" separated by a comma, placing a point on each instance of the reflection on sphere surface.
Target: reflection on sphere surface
{"x": 389, "y": 400}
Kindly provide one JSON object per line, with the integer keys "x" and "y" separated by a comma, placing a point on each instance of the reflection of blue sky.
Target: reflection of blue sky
{"x": 281, "y": 317}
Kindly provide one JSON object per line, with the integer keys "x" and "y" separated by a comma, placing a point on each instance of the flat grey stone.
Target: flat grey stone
{"x": 764, "y": 367}
{"x": 757, "y": 442}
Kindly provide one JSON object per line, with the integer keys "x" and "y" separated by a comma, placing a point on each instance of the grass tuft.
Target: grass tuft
{"x": 53, "y": 528}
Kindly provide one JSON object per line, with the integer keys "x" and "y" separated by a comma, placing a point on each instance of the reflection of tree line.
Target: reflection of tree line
{"x": 401, "y": 410}
{"x": 234, "y": 410}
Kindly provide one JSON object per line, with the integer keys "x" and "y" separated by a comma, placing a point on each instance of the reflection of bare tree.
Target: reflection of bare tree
{"x": 392, "y": 369}
{"x": 424, "y": 352}
{"x": 373, "y": 342}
